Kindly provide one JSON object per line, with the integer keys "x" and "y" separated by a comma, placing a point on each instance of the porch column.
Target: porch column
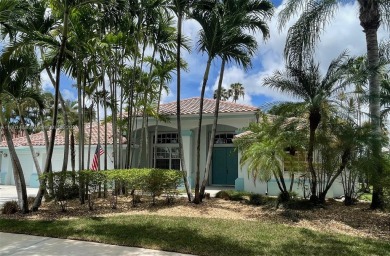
{"x": 187, "y": 139}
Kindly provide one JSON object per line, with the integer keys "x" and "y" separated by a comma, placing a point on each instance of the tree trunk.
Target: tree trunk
{"x": 197, "y": 177}
{"x": 178, "y": 106}
{"x": 370, "y": 21}
{"x": 20, "y": 182}
{"x": 33, "y": 153}
{"x": 90, "y": 137}
{"x": 314, "y": 121}
{"x": 213, "y": 131}
{"x": 66, "y": 121}
{"x": 38, "y": 198}
{"x": 73, "y": 156}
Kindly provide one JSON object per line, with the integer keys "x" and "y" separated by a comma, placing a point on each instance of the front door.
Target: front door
{"x": 225, "y": 166}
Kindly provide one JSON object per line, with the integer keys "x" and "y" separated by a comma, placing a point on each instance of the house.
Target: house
{"x": 163, "y": 151}
{"x": 225, "y": 169}
{"x": 38, "y": 141}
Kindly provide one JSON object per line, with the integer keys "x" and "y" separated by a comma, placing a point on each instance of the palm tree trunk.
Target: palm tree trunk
{"x": 141, "y": 148}
{"x": 20, "y": 182}
{"x": 90, "y": 137}
{"x": 314, "y": 121}
{"x": 374, "y": 106}
{"x": 213, "y": 131}
{"x": 178, "y": 98}
{"x": 73, "y": 156}
{"x": 80, "y": 136}
{"x": 38, "y": 198}
{"x": 33, "y": 154}
{"x": 197, "y": 177}
{"x": 66, "y": 121}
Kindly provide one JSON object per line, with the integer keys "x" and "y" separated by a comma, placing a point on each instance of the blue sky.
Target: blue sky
{"x": 344, "y": 32}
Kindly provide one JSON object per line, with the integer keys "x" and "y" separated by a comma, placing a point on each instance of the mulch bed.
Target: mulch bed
{"x": 356, "y": 220}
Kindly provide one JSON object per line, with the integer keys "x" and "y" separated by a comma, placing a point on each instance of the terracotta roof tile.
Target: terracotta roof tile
{"x": 38, "y": 139}
{"x": 191, "y": 106}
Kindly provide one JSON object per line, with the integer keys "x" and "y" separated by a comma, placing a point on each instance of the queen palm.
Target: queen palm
{"x": 304, "y": 34}
{"x": 224, "y": 33}
{"x": 307, "y": 84}
{"x": 236, "y": 90}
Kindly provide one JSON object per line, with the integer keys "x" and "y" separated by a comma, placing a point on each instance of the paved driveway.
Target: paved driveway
{"x": 8, "y": 193}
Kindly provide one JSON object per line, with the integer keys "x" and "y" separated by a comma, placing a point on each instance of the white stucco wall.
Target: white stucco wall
{"x": 28, "y": 165}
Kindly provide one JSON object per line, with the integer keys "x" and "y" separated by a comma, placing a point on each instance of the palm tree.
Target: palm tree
{"x": 271, "y": 147}
{"x": 307, "y": 83}
{"x": 15, "y": 73}
{"x": 180, "y": 7}
{"x": 236, "y": 90}
{"x": 230, "y": 21}
{"x": 304, "y": 34}
{"x": 224, "y": 94}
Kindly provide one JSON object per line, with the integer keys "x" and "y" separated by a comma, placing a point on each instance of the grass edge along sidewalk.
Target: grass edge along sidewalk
{"x": 200, "y": 236}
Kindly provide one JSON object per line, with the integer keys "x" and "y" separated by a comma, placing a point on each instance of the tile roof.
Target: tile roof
{"x": 191, "y": 106}
{"x": 38, "y": 139}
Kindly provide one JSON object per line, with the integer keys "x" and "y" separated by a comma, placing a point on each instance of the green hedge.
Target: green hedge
{"x": 154, "y": 181}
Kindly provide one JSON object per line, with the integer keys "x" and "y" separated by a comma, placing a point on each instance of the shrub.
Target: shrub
{"x": 223, "y": 194}
{"x": 232, "y": 195}
{"x": 257, "y": 199}
{"x": 10, "y": 207}
{"x": 63, "y": 187}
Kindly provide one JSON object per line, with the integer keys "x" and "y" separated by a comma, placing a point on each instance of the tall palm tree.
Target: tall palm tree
{"x": 235, "y": 19}
{"x": 306, "y": 83}
{"x": 180, "y": 7}
{"x": 304, "y": 34}
{"x": 236, "y": 90}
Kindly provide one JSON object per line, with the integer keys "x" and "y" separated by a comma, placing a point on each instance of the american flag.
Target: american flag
{"x": 99, "y": 151}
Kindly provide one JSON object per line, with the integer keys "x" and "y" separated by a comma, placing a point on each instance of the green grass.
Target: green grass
{"x": 200, "y": 236}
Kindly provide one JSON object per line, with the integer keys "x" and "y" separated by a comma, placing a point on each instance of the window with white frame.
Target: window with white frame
{"x": 224, "y": 138}
{"x": 166, "y": 152}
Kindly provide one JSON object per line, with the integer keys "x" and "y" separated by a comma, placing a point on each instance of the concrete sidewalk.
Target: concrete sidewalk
{"x": 8, "y": 193}
{"x": 17, "y": 244}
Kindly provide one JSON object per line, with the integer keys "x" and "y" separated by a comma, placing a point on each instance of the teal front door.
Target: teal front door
{"x": 225, "y": 166}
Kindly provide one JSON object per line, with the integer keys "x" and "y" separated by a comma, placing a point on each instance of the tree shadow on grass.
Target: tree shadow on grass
{"x": 315, "y": 243}
{"x": 201, "y": 237}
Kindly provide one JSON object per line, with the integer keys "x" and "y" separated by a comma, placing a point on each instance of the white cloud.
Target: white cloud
{"x": 45, "y": 81}
{"x": 344, "y": 32}
{"x": 68, "y": 95}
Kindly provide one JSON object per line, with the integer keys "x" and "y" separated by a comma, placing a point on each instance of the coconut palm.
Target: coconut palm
{"x": 304, "y": 34}
{"x": 306, "y": 83}
{"x": 236, "y": 90}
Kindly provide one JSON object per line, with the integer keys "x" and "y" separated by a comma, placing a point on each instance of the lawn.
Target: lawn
{"x": 200, "y": 236}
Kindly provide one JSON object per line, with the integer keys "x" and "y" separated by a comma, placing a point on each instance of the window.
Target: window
{"x": 167, "y": 157}
{"x": 166, "y": 138}
{"x": 224, "y": 138}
